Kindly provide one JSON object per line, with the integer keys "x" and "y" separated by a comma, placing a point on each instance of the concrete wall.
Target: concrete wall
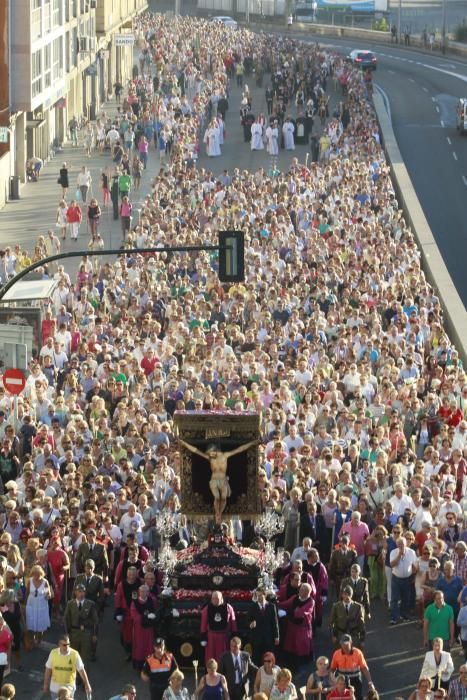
{"x": 4, "y": 179}
{"x": 435, "y": 269}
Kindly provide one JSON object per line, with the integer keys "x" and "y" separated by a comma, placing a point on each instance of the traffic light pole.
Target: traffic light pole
{"x": 118, "y": 251}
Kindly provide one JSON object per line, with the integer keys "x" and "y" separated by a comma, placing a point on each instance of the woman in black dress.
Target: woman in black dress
{"x": 13, "y": 617}
{"x": 63, "y": 180}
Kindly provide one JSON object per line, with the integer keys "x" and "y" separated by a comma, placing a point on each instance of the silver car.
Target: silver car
{"x": 228, "y": 21}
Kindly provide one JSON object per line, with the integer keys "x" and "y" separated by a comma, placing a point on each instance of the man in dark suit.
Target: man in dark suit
{"x": 312, "y": 524}
{"x": 348, "y": 617}
{"x": 238, "y": 669}
{"x": 91, "y": 549}
{"x": 359, "y": 585}
{"x": 93, "y": 584}
{"x": 264, "y": 626}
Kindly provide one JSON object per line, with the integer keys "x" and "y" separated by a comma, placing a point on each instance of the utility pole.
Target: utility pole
{"x": 443, "y": 30}
{"x": 399, "y": 23}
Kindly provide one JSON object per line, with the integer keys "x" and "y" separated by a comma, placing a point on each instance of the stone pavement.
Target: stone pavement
{"x": 23, "y": 221}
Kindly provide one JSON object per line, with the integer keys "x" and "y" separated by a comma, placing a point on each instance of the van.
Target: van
{"x": 461, "y": 115}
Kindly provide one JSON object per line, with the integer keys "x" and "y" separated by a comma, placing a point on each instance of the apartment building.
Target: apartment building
{"x": 4, "y": 105}
{"x": 65, "y": 56}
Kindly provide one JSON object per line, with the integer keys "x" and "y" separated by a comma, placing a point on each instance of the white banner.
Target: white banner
{"x": 124, "y": 39}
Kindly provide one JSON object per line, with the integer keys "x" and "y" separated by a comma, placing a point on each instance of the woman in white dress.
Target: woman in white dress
{"x": 37, "y": 604}
{"x": 62, "y": 221}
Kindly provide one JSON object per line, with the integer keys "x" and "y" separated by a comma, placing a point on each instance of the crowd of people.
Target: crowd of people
{"x": 335, "y": 339}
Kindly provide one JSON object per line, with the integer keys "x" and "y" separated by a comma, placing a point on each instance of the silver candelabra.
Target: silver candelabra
{"x": 269, "y": 525}
{"x": 166, "y": 526}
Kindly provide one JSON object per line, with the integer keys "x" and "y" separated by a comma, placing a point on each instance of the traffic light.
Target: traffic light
{"x": 231, "y": 256}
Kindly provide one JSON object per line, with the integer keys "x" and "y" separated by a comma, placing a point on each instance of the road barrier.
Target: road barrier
{"x": 437, "y": 274}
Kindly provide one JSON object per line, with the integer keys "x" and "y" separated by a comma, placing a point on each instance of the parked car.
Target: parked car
{"x": 228, "y": 21}
{"x": 366, "y": 60}
{"x": 461, "y": 115}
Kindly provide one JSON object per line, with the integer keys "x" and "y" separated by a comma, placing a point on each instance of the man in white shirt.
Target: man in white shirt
{"x": 402, "y": 561}
{"x": 293, "y": 439}
{"x": 132, "y": 522}
{"x": 301, "y": 553}
{"x": 449, "y": 506}
{"x": 59, "y": 356}
{"x": 400, "y": 501}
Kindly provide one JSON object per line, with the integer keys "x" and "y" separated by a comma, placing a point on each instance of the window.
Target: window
{"x": 57, "y": 67}
{"x": 47, "y": 16}
{"x": 36, "y": 72}
{"x": 47, "y": 66}
{"x": 57, "y": 13}
{"x": 74, "y": 48}
{"x": 36, "y": 20}
{"x": 68, "y": 52}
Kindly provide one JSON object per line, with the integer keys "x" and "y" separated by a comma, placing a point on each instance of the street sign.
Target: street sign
{"x": 14, "y": 381}
{"x": 124, "y": 39}
{"x": 3, "y": 134}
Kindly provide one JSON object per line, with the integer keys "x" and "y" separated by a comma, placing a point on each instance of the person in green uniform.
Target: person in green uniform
{"x": 81, "y": 623}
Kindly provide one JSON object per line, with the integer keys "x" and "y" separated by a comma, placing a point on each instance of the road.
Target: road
{"x": 421, "y": 90}
{"x": 395, "y": 653}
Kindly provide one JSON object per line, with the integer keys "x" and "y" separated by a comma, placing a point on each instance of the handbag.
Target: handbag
{"x": 78, "y": 195}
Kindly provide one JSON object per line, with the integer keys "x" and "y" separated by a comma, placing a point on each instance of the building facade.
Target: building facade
{"x": 4, "y": 104}
{"x": 65, "y": 60}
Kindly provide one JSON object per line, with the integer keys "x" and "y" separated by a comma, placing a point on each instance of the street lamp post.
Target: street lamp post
{"x": 443, "y": 30}
{"x": 399, "y": 23}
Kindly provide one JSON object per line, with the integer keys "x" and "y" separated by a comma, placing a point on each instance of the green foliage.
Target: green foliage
{"x": 460, "y": 33}
{"x": 381, "y": 25}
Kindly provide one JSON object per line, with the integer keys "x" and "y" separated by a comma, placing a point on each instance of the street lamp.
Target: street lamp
{"x": 443, "y": 30}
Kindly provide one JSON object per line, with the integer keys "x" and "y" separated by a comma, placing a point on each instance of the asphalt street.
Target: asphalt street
{"x": 421, "y": 90}
{"x": 416, "y": 85}
{"x": 394, "y": 654}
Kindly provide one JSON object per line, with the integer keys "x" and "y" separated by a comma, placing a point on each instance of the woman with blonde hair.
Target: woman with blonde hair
{"x": 422, "y": 691}
{"x": 15, "y": 560}
{"x": 283, "y": 688}
{"x": 30, "y": 556}
{"x": 176, "y": 691}
{"x": 37, "y": 604}
{"x": 212, "y": 686}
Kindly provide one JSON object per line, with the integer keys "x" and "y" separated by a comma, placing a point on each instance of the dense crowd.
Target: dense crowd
{"x": 334, "y": 338}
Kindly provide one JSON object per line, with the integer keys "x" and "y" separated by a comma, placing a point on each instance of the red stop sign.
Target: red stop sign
{"x": 14, "y": 381}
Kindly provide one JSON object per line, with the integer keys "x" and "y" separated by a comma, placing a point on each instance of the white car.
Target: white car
{"x": 227, "y": 21}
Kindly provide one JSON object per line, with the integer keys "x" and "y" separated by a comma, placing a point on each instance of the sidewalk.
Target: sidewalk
{"x": 23, "y": 221}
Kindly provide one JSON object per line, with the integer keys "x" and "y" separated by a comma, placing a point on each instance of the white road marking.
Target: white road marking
{"x": 425, "y": 89}
{"x": 454, "y": 155}
{"x": 411, "y": 80}
{"x": 393, "y": 72}
{"x": 433, "y": 99}
{"x": 448, "y": 140}
{"x": 442, "y": 123}
{"x": 437, "y": 108}
{"x": 464, "y": 180}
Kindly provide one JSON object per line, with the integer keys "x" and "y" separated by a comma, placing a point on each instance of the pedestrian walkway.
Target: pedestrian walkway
{"x": 23, "y": 221}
